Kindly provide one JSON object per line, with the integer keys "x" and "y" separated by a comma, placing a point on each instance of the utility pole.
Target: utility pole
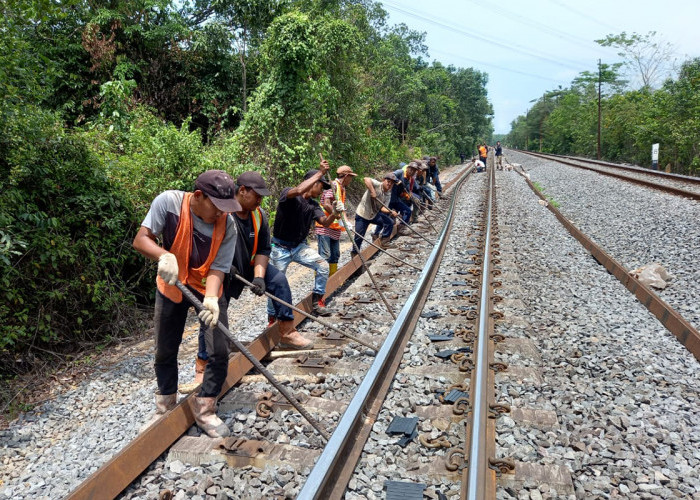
{"x": 599, "y": 85}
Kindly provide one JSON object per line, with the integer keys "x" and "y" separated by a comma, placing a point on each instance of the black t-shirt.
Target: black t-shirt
{"x": 294, "y": 217}
{"x": 244, "y": 250}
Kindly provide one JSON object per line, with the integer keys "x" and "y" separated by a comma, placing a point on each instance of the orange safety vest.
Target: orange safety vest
{"x": 483, "y": 151}
{"x": 182, "y": 248}
{"x": 257, "y": 221}
{"x": 339, "y": 195}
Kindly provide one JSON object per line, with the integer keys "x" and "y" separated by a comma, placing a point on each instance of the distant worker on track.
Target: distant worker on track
{"x": 198, "y": 246}
{"x": 499, "y": 155}
{"x": 483, "y": 152}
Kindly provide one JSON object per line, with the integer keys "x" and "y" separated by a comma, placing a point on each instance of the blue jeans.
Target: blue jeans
{"x": 435, "y": 176}
{"x": 384, "y": 223}
{"x": 328, "y": 248}
{"x": 275, "y": 283}
{"x": 303, "y": 254}
{"x": 403, "y": 209}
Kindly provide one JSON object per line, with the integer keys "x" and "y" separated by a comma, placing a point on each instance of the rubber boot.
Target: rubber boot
{"x": 199, "y": 366}
{"x": 164, "y": 404}
{"x": 319, "y": 305}
{"x": 332, "y": 268}
{"x": 291, "y": 339}
{"x": 207, "y": 419}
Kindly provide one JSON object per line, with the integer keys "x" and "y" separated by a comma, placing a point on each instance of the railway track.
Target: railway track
{"x": 518, "y": 444}
{"x": 681, "y": 185}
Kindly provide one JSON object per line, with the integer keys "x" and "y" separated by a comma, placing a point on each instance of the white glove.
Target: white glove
{"x": 339, "y": 206}
{"x": 210, "y": 312}
{"x": 167, "y": 268}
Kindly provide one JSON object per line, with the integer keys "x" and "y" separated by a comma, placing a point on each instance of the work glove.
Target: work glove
{"x": 210, "y": 312}
{"x": 167, "y": 268}
{"x": 258, "y": 286}
{"x": 339, "y": 206}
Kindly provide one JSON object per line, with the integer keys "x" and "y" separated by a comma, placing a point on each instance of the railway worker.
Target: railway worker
{"x": 499, "y": 155}
{"x": 462, "y": 157}
{"x": 198, "y": 246}
{"x": 434, "y": 173}
{"x": 397, "y": 202}
{"x": 250, "y": 260}
{"x": 369, "y": 212}
{"x": 427, "y": 191}
{"x": 479, "y": 165}
{"x": 296, "y": 210}
{"x": 483, "y": 152}
{"x": 409, "y": 189}
{"x": 329, "y": 237}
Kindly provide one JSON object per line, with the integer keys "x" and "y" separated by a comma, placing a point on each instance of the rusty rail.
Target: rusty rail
{"x": 653, "y": 185}
{"x": 122, "y": 469}
{"x": 668, "y": 316}
{"x": 334, "y": 468}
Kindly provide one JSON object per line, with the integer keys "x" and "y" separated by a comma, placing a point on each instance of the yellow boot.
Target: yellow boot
{"x": 332, "y": 268}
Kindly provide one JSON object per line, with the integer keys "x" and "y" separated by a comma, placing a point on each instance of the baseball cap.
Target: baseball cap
{"x": 345, "y": 170}
{"x": 391, "y": 177}
{"x": 254, "y": 181}
{"x": 219, "y": 187}
{"x": 323, "y": 181}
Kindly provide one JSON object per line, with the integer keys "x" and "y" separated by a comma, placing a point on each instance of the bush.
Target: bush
{"x": 68, "y": 272}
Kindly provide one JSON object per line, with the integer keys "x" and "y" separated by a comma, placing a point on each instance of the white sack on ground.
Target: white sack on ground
{"x": 653, "y": 275}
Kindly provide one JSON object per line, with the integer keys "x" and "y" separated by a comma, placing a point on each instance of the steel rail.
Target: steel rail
{"x": 687, "y": 335}
{"x": 127, "y": 464}
{"x": 632, "y": 168}
{"x": 475, "y": 480}
{"x": 333, "y": 469}
{"x": 669, "y": 189}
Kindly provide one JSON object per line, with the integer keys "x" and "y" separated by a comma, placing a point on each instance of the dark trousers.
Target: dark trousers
{"x": 434, "y": 179}
{"x": 170, "y": 318}
{"x": 403, "y": 209}
{"x": 384, "y": 223}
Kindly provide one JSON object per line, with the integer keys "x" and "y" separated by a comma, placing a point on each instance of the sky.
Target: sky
{"x": 530, "y": 47}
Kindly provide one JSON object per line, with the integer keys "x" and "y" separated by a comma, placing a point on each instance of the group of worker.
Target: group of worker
{"x": 483, "y": 149}
{"x": 216, "y": 240}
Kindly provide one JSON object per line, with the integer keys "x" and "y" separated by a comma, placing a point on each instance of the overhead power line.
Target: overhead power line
{"x": 441, "y": 23}
{"x": 510, "y": 70}
{"x": 518, "y": 17}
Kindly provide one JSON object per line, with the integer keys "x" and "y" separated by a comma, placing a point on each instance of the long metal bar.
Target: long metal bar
{"x": 477, "y": 457}
{"x": 384, "y": 251}
{"x": 406, "y": 224}
{"x": 309, "y": 316}
{"x": 323, "y": 481}
{"x": 369, "y": 273}
{"x": 268, "y": 375}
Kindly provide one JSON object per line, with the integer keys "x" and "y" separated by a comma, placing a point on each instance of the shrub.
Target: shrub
{"x": 67, "y": 270}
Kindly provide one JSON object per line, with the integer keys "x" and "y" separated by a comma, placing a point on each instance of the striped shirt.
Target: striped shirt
{"x": 327, "y": 197}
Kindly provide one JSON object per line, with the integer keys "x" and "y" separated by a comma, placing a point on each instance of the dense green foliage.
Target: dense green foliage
{"x": 565, "y": 121}
{"x": 105, "y": 103}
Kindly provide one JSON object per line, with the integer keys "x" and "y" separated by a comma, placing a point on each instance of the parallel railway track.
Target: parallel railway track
{"x": 472, "y": 461}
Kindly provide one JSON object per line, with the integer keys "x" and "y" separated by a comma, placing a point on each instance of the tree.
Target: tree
{"x": 646, "y": 57}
